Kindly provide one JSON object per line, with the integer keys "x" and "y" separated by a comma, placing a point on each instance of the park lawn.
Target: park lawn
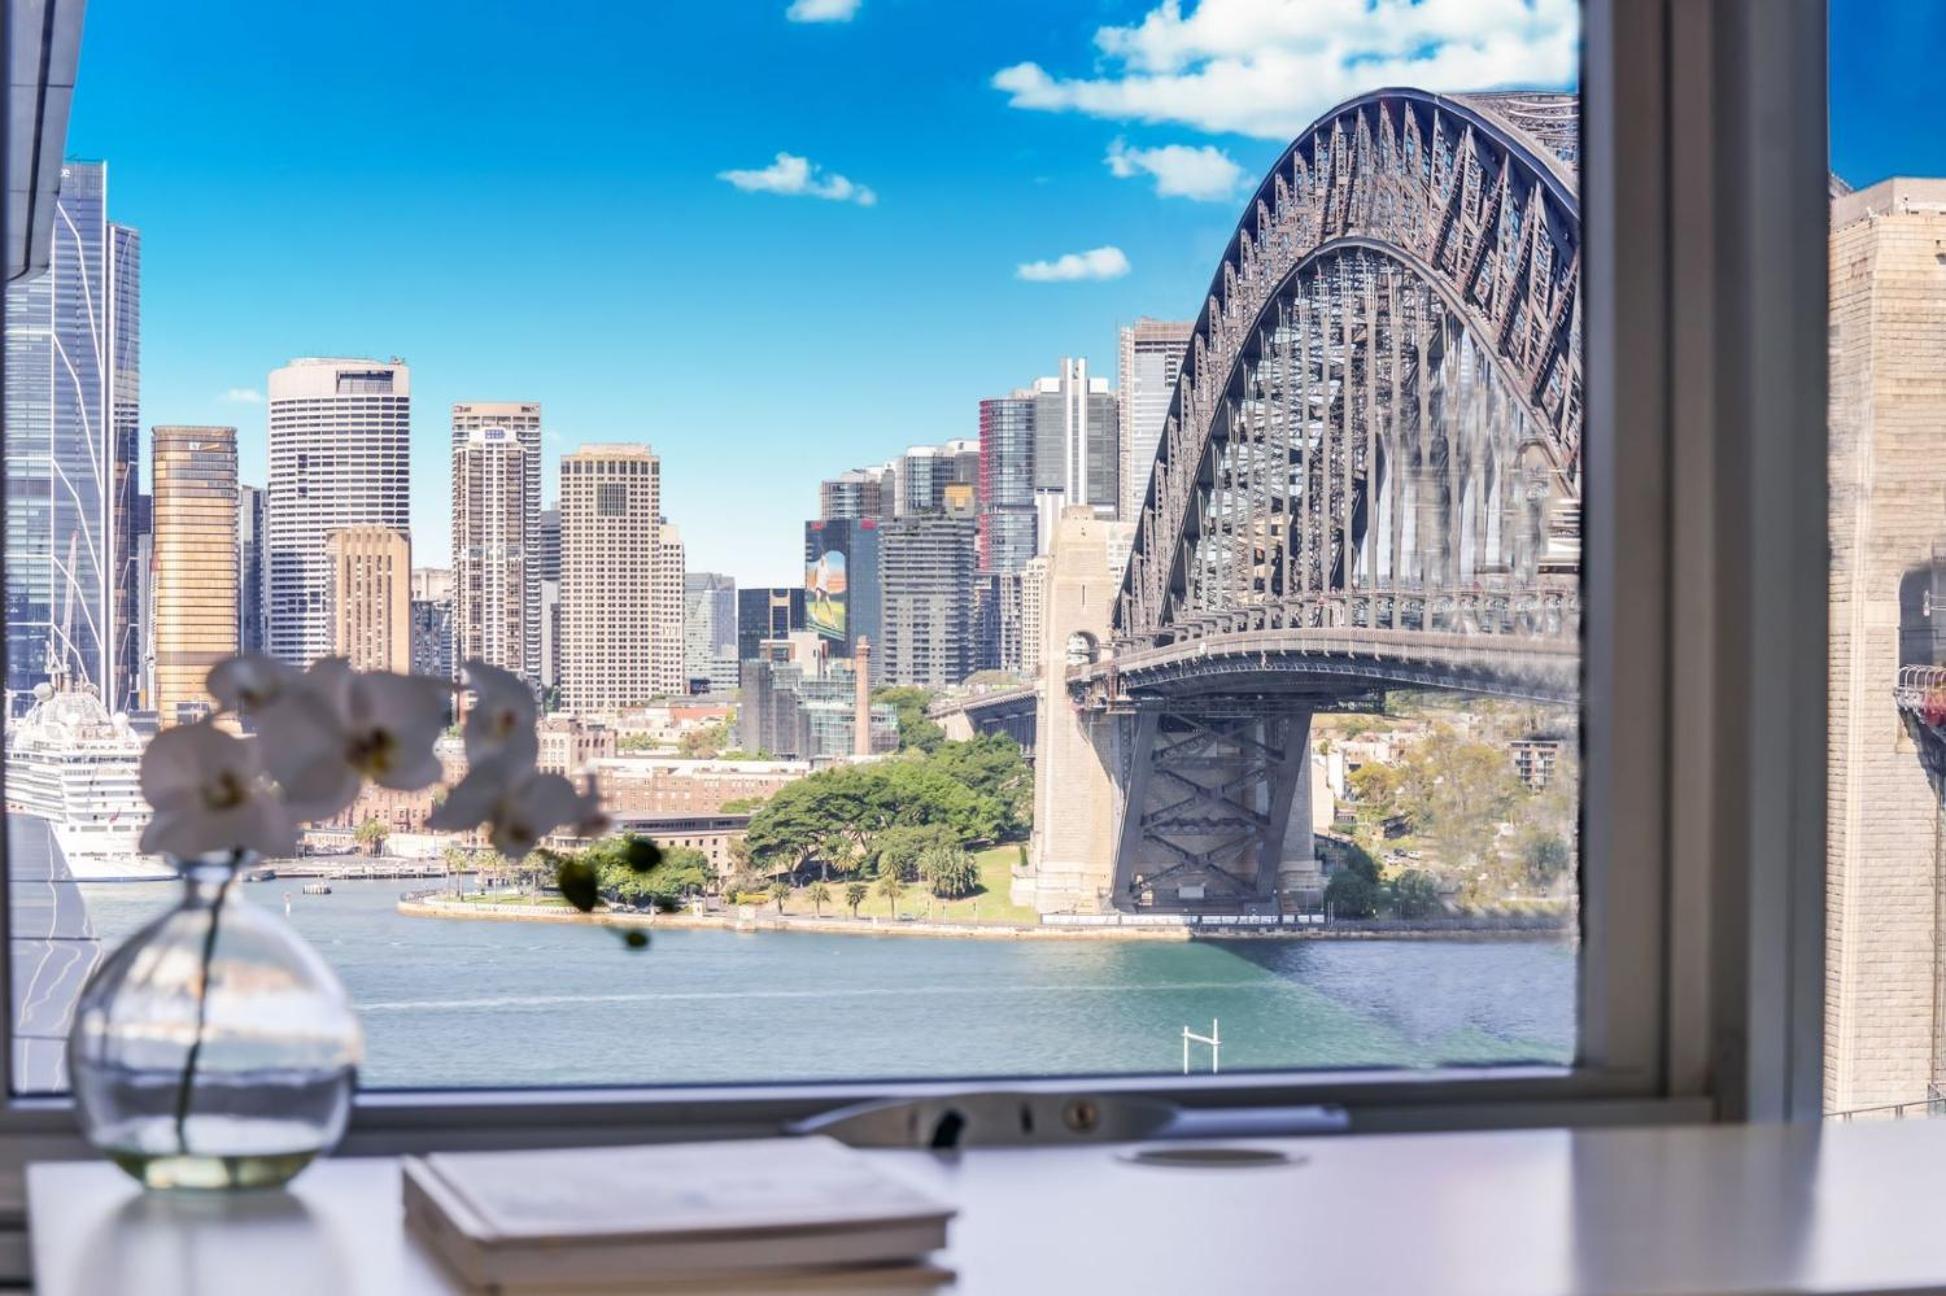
{"x": 987, "y": 905}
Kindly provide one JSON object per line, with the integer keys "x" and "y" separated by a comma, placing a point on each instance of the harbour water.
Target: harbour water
{"x": 454, "y": 1002}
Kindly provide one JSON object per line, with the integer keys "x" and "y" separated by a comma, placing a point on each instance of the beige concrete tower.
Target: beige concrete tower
{"x": 193, "y": 476}
{"x": 621, "y": 581}
{"x": 1074, "y": 842}
{"x": 1888, "y": 538}
{"x": 370, "y": 597}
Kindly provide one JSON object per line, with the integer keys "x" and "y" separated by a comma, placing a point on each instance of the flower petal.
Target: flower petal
{"x": 248, "y": 680}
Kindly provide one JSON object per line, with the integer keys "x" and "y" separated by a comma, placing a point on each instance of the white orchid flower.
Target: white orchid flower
{"x": 518, "y": 804}
{"x": 333, "y": 728}
{"x": 502, "y": 718}
{"x": 248, "y": 681}
{"x": 208, "y": 793}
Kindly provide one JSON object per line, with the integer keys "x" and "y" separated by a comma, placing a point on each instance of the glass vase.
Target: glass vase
{"x": 215, "y": 1048}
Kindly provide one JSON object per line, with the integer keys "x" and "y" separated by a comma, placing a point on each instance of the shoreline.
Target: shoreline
{"x": 1466, "y": 930}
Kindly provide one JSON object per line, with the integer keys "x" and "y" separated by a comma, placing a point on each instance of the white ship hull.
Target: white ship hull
{"x": 72, "y": 764}
{"x": 112, "y": 856}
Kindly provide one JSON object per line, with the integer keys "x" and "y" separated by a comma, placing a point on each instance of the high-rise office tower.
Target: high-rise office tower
{"x": 252, "y": 572}
{"x": 193, "y": 475}
{"x": 669, "y": 564}
{"x": 620, "y": 646}
{"x": 923, "y": 473}
{"x": 857, "y": 493}
{"x": 1151, "y": 357}
{"x": 709, "y": 630}
{"x": 841, "y": 598}
{"x": 1077, "y": 459}
{"x": 926, "y": 565}
{"x": 143, "y": 688}
{"x": 125, "y": 417}
{"x": 339, "y": 431}
{"x": 369, "y": 597}
{"x": 72, "y": 362}
{"x": 1006, "y": 478}
{"x": 550, "y": 579}
{"x": 496, "y": 535}
{"x": 432, "y": 622}
{"x": 773, "y": 613}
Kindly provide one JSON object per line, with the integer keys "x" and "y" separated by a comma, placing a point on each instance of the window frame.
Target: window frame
{"x": 1701, "y": 963}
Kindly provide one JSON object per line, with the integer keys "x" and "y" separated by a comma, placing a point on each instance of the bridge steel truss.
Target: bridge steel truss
{"x": 1378, "y": 420}
{"x": 1369, "y": 478}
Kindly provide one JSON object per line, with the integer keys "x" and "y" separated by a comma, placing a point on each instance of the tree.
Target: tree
{"x": 892, "y": 887}
{"x": 994, "y": 766}
{"x": 1416, "y": 895}
{"x": 819, "y": 894}
{"x": 455, "y": 859}
{"x": 949, "y": 871}
{"x": 780, "y": 891}
{"x": 917, "y": 732}
{"x": 899, "y": 848}
{"x": 1350, "y": 894}
{"x": 372, "y": 834}
{"x": 855, "y": 893}
{"x": 631, "y": 870}
{"x": 707, "y": 741}
{"x": 1546, "y": 857}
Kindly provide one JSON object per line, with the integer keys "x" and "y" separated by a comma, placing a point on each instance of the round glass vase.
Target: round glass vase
{"x": 214, "y": 1048}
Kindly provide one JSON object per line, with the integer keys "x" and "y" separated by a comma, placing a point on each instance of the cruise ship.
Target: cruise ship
{"x": 79, "y": 768}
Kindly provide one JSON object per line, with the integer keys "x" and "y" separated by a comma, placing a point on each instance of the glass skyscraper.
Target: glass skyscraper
{"x": 72, "y": 409}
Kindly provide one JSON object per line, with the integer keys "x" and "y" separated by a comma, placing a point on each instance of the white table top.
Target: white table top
{"x": 1837, "y": 1209}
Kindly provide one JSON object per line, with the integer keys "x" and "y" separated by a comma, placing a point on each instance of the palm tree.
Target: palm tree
{"x": 855, "y": 893}
{"x": 780, "y": 891}
{"x": 819, "y": 895}
{"x": 892, "y": 886}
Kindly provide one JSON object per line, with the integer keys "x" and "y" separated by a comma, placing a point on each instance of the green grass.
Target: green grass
{"x": 987, "y": 905}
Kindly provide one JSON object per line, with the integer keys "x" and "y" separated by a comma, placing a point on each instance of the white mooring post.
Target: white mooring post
{"x": 1215, "y": 1041}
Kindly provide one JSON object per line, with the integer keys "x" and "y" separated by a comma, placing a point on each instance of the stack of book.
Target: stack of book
{"x": 794, "y": 1214}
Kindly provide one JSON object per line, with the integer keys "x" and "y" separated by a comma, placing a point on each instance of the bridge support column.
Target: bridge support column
{"x": 1078, "y": 753}
{"x": 1217, "y": 807}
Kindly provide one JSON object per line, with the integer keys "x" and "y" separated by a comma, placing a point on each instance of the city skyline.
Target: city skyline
{"x": 971, "y": 264}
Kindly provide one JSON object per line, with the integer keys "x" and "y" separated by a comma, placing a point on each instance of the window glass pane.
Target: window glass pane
{"x": 1071, "y": 547}
{"x": 1883, "y": 1043}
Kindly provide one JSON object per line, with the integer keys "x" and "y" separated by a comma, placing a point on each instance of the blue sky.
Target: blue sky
{"x": 591, "y": 210}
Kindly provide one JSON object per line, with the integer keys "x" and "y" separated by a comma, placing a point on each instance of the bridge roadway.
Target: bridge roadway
{"x": 1335, "y": 662}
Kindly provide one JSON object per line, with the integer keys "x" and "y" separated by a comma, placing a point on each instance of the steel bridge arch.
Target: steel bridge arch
{"x": 1480, "y": 225}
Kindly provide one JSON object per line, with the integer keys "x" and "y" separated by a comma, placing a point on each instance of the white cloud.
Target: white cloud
{"x": 1268, "y": 68}
{"x": 1206, "y": 174}
{"x": 243, "y": 396}
{"x": 791, "y": 174}
{"x": 822, "y": 10}
{"x": 1097, "y": 263}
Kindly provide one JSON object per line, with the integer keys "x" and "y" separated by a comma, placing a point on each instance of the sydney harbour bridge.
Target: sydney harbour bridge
{"x": 1369, "y": 479}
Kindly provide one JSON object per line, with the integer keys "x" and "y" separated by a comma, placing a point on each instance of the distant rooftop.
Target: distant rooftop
{"x": 1892, "y": 195}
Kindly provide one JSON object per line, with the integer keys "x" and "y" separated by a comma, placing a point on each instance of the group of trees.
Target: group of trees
{"x": 1357, "y": 890}
{"x": 1460, "y": 797}
{"x": 911, "y": 816}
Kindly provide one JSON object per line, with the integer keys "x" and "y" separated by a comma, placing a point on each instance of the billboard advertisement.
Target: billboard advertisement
{"x": 824, "y": 595}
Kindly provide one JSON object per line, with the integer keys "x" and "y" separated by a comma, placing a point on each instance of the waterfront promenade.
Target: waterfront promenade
{"x": 1120, "y": 927}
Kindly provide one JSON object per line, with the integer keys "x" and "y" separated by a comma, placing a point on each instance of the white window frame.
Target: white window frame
{"x": 1703, "y": 847}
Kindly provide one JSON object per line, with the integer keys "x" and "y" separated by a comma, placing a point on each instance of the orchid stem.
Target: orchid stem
{"x": 186, "y": 1087}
